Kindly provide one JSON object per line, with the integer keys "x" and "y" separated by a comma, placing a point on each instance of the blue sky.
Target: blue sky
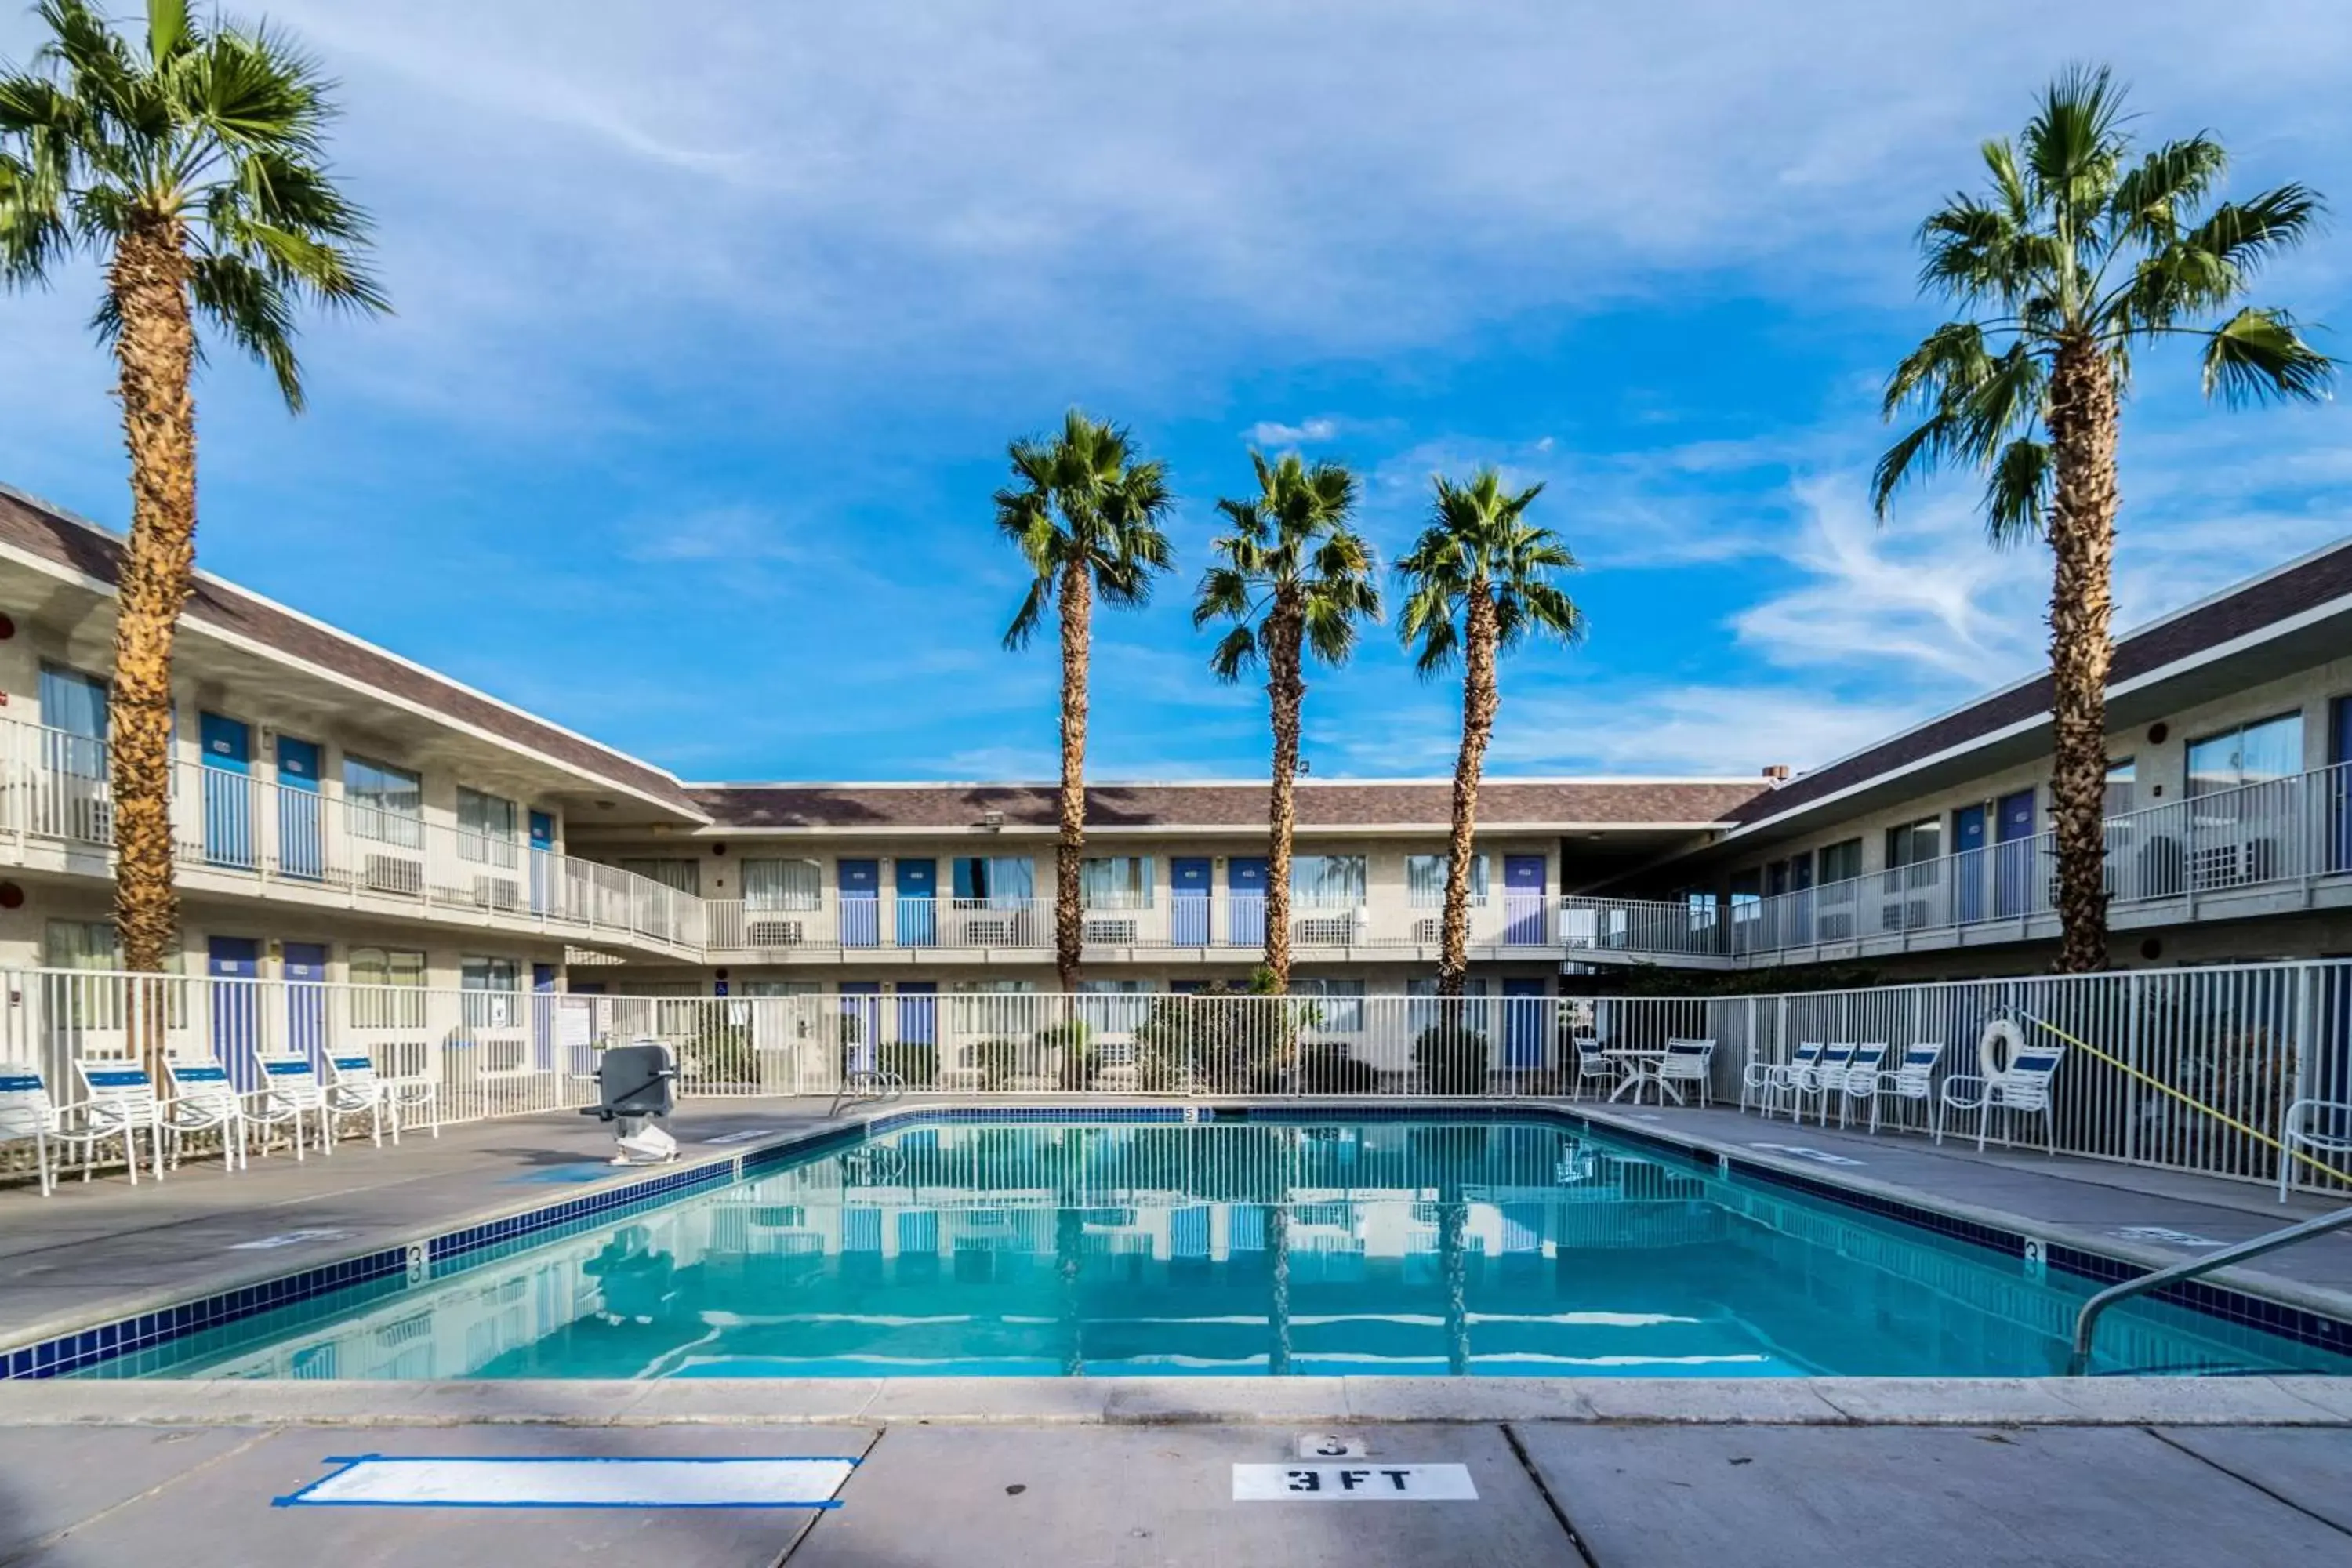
{"x": 714, "y": 319}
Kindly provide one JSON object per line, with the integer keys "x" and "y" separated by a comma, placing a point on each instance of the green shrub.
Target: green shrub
{"x": 1001, "y": 1060}
{"x": 1451, "y": 1058}
{"x": 917, "y": 1062}
{"x": 1070, "y": 1045}
{"x": 1329, "y": 1069}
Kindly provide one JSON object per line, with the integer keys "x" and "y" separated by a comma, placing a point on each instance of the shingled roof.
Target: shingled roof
{"x": 67, "y": 542}
{"x": 2305, "y": 584}
{"x": 1415, "y": 803}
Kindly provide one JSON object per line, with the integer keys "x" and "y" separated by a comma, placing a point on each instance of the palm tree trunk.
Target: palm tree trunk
{"x": 1286, "y": 690}
{"x": 2083, "y": 543}
{"x": 1453, "y": 1262}
{"x": 1069, "y": 919}
{"x": 1277, "y": 1224}
{"x": 1479, "y": 701}
{"x": 155, "y": 353}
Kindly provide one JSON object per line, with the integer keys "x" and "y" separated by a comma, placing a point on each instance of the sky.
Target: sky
{"x": 713, "y": 321}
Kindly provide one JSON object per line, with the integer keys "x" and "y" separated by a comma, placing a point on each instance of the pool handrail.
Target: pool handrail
{"x": 2086, "y": 1322}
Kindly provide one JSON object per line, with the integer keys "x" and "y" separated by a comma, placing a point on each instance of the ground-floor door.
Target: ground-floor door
{"x": 236, "y": 1006}
{"x": 861, "y": 1024}
{"x": 306, "y": 999}
{"x": 1526, "y": 1010}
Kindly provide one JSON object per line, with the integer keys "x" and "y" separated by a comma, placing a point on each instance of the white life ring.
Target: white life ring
{"x": 1998, "y": 1046}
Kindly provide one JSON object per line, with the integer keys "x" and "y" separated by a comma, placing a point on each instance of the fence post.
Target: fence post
{"x": 2299, "y": 1062}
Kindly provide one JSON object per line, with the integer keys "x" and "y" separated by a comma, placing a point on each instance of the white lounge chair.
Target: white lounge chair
{"x": 1914, "y": 1079}
{"x": 1766, "y": 1084}
{"x": 1824, "y": 1077}
{"x": 203, "y": 1100}
{"x": 354, "y": 1089}
{"x": 1688, "y": 1063}
{"x": 419, "y": 1095}
{"x": 1593, "y": 1065}
{"x": 2024, "y": 1089}
{"x": 29, "y": 1116}
{"x": 2319, "y": 1127}
{"x": 118, "y": 1101}
{"x": 1860, "y": 1081}
{"x": 291, "y": 1097}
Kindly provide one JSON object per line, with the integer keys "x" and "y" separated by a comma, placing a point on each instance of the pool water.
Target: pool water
{"x": 1232, "y": 1248}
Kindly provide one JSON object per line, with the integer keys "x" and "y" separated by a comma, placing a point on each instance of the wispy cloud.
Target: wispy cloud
{"x": 1271, "y": 433}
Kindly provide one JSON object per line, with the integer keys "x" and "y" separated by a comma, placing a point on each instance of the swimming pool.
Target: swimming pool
{"x": 1523, "y": 1247}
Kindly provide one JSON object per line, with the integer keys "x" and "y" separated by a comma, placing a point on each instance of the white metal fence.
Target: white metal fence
{"x": 53, "y": 792}
{"x": 2246, "y": 1040}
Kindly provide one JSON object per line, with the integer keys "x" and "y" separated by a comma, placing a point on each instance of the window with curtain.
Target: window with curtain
{"x": 82, "y": 1004}
{"x": 493, "y": 982}
{"x": 2250, "y": 753}
{"x": 386, "y": 803}
{"x": 73, "y": 719}
{"x": 1424, "y": 879}
{"x": 79, "y": 944}
{"x": 1113, "y": 1006}
{"x": 486, "y": 827}
{"x": 388, "y": 988}
{"x": 1116, "y": 881}
{"x": 770, "y": 885}
{"x": 2123, "y": 786}
{"x": 1339, "y": 1004}
{"x": 1003, "y": 879}
{"x": 1916, "y": 843}
{"x": 1333, "y": 881}
{"x": 674, "y": 872}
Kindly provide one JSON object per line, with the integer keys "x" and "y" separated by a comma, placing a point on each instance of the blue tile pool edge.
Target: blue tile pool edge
{"x": 485, "y": 1241}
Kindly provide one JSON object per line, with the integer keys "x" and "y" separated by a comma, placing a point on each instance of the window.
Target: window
{"x": 79, "y": 944}
{"x": 997, "y": 880}
{"x": 1841, "y": 861}
{"x": 495, "y": 980}
{"x": 1916, "y": 843}
{"x": 386, "y": 803}
{"x": 1116, "y": 882}
{"x": 1424, "y": 879}
{"x": 1339, "y": 1004}
{"x": 2122, "y": 778}
{"x": 1334, "y": 882}
{"x": 486, "y": 827}
{"x": 73, "y": 721}
{"x": 2251, "y": 753}
{"x": 770, "y": 885}
{"x": 780, "y": 988}
{"x": 388, "y": 988}
{"x": 676, "y": 873}
{"x": 85, "y": 1005}
{"x": 1113, "y": 1006}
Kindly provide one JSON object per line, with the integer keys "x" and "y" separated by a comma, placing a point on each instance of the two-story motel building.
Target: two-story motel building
{"x": 346, "y": 814}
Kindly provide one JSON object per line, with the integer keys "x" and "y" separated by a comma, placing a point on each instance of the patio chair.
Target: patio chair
{"x": 27, "y": 1116}
{"x": 2313, "y": 1127}
{"x": 291, "y": 1097}
{"x": 1825, "y": 1076}
{"x": 201, "y": 1099}
{"x": 1689, "y": 1062}
{"x": 1591, "y": 1064}
{"x": 1766, "y": 1083}
{"x": 1860, "y": 1081}
{"x": 2024, "y": 1089}
{"x": 354, "y": 1090}
{"x": 1914, "y": 1079}
{"x": 415, "y": 1094}
{"x": 118, "y": 1101}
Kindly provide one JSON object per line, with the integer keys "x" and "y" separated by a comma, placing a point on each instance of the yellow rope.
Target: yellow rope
{"x": 2156, "y": 1083}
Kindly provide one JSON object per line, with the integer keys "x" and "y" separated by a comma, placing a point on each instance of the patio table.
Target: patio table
{"x": 1641, "y": 1064}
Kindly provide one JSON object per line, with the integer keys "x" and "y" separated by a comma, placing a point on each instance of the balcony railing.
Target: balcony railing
{"x": 54, "y": 791}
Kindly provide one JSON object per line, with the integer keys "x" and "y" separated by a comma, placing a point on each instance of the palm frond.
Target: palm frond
{"x": 2017, "y": 493}
{"x": 250, "y": 308}
{"x": 2259, "y": 355}
{"x": 1234, "y": 654}
{"x": 2148, "y": 201}
{"x": 1033, "y": 605}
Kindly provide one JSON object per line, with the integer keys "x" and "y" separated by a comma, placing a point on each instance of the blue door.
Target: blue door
{"x": 1968, "y": 823}
{"x": 917, "y": 883}
{"x": 306, "y": 999}
{"x": 1245, "y": 901}
{"x": 1523, "y": 900}
{"x": 1524, "y": 1011}
{"x": 918, "y": 1012}
{"x": 1189, "y": 881}
{"x": 234, "y": 963}
{"x": 861, "y": 903}
{"x": 227, "y": 792}
{"x": 542, "y": 862}
{"x": 543, "y": 1016}
{"x": 861, "y": 1024}
{"x": 2013, "y": 854}
{"x": 2336, "y": 783}
{"x": 301, "y": 836}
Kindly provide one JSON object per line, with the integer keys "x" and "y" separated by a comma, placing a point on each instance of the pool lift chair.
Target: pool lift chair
{"x": 636, "y": 1085}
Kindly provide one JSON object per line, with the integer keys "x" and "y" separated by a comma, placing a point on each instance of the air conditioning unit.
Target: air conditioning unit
{"x": 1837, "y": 927}
{"x": 393, "y": 874}
{"x": 1325, "y": 930}
{"x": 497, "y": 892}
{"x": 1114, "y": 930}
{"x": 776, "y": 934}
{"x": 1430, "y": 932}
{"x": 993, "y": 930}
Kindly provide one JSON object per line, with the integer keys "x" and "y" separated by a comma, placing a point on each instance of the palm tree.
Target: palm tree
{"x": 191, "y": 168}
{"x": 1297, "y": 578}
{"x": 1478, "y": 582}
{"x": 1085, "y": 516}
{"x": 2077, "y": 255}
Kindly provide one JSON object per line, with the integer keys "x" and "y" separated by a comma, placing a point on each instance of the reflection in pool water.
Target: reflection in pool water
{"x": 1232, "y": 1248}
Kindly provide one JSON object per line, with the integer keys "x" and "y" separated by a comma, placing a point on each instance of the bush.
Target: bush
{"x": 917, "y": 1062}
{"x": 1451, "y": 1058}
{"x": 1220, "y": 1040}
{"x": 1001, "y": 1060}
{"x": 1329, "y": 1069}
{"x": 1070, "y": 1044}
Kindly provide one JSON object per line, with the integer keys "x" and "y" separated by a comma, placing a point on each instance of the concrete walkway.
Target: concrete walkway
{"x": 1145, "y": 1495}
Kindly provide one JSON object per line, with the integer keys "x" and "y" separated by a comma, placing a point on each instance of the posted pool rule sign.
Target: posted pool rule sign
{"x": 1362, "y": 1481}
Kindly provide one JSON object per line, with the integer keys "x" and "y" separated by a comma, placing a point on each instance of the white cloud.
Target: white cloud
{"x": 1270, "y": 433}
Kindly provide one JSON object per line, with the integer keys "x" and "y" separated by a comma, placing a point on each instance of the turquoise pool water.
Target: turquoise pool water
{"x": 1231, "y": 1247}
